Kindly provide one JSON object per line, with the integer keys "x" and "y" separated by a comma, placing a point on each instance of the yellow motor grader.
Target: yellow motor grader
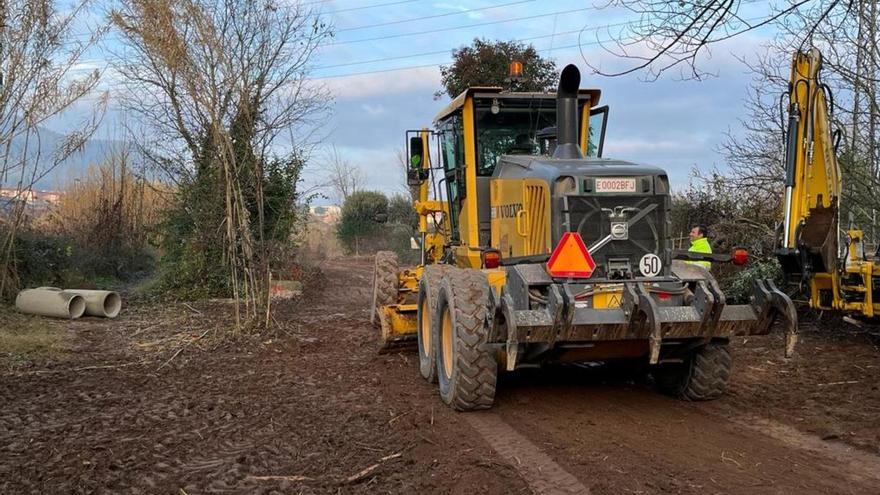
{"x": 536, "y": 249}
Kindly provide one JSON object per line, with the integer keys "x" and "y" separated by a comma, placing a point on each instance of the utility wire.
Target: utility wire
{"x": 437, "y": 52}
{"x": 435, "y": 16}
{"x": 454, "y": 28}
{"x": 365, "y": 7}
{"x": 448, "y": 61}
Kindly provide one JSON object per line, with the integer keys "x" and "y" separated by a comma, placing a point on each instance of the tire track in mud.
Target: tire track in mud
{"x": 630, "y": 438}
{"x": 543, "y": 475}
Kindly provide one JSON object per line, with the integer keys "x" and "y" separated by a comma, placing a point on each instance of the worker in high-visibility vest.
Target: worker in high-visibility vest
{"x": 700, "y": 244}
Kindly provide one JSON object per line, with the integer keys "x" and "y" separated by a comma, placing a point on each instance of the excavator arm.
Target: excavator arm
{"x": 834, "y": 279}
{"x": 812, "y": 176}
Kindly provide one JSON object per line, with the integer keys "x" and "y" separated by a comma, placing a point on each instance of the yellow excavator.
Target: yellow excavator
{"x": 537, "y": 249}
{"x": 834, "y": 279}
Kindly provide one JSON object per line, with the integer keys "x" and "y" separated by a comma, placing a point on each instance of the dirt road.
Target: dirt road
{"x": 314, "y": 409}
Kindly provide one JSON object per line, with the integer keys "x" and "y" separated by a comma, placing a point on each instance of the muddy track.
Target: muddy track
{"x": 316, "y": 409}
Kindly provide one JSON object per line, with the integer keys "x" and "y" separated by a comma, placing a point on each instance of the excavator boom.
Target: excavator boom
{"x": 809, "y": 251}
{"x": 812, "y": 176}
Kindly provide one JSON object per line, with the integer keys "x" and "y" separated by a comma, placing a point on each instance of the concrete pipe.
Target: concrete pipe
{"x": 104, "y": 303}
{"x": 50, "y": 302}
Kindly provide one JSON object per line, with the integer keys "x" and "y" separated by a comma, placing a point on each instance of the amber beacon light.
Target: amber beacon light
{"x": 516, "y": 69}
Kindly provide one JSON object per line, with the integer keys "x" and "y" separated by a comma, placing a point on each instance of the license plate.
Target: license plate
{"x": 615, "y": 184}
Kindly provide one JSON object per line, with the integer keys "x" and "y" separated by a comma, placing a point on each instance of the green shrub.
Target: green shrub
{"x": 739, "y": 287}
{"x": 364, "y": 215}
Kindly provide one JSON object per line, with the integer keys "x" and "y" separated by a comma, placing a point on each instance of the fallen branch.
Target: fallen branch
{"x": 363, "y": 474}
{"x": 182, "y": 348}
{"x": 395, "y": 418}
{"x": 728, "y": 459}
{"x": 848, "y": 382}
{"x": 280, "y": 478}
{"x": 192, "y": 308}
{"x": 148, "y": 328}
{"x": 84, "y": 368}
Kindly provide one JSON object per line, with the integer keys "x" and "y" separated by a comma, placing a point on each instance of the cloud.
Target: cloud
{"x": 425, "y": 79}
{"x": 374, "y": 110}
{"x": 460, "y": 8}
{"x": 628, "y": 146}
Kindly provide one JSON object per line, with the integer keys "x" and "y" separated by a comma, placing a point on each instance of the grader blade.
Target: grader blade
{"x": 397, "y": 323}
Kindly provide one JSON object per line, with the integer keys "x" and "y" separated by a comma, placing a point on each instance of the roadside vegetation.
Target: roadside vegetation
{"x": 205, "y": 200}
{"x": 373, "y": 222}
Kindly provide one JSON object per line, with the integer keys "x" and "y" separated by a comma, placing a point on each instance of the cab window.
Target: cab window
{"x": 452, "y": 142}
{"x": 452, "y": 148}
{"x": 509, "y": 129}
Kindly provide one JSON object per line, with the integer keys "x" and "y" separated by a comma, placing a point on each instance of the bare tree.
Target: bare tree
{"x": 217, "y": 85}
{"x": 850, "y": 72}
{"x": 39, "y": 56}
{"x": 673, "y": 34}
{"x": 343, "y": 178}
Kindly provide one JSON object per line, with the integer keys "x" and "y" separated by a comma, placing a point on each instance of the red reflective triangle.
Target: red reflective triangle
{"x": 571, "y": 259}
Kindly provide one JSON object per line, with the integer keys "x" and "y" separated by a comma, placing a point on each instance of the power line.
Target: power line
{"x": 437, "y": 52}
{"x": 454, "y": 28}
{"x": 435, "y": 16}
{"x": 291, "y": 7}
{"x": 447, "y": 61}
{"x": 365, "y": 7}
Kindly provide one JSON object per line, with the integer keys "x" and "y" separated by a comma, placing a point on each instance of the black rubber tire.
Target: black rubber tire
{"x": 429, "y": 287}
{"x": 384, "y": 283}
{"x": 470, "y": 384}
{"x": 703, "y": 376}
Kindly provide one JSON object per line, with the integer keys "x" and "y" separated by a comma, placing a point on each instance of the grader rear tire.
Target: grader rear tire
{"x": 429, "y": 287}
{"x": 703, "y": 376}
{"x": 466, "y": 368}
{"x": 384, "y": 283}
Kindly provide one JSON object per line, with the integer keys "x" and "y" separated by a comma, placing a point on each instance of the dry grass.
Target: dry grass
{"x": 110, "y": 205}
{"x": 28, "y": 338}
{"x": 320, "y": 242}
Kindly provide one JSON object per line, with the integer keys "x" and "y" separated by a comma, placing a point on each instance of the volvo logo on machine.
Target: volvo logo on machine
{"x": 506, "y": 211}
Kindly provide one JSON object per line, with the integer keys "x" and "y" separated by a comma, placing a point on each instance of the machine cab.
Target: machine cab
{"x": 483, "y": 124}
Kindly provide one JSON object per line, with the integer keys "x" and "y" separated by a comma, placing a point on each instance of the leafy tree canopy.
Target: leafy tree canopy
{"x": 363, "y": 215}
{"x": 486, "y": 63}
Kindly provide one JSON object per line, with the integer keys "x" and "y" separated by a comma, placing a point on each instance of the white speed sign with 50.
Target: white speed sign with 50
{"x": 650, "y": 265}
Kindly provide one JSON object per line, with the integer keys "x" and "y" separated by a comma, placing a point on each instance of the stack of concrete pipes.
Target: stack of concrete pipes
{"x": 68, "y": 303}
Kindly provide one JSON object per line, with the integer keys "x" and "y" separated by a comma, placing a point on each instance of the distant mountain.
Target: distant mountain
{"x": 76, "y": 165}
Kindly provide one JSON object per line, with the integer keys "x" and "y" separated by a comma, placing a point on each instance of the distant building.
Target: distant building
{"x": 36, "y": 202}
{"x": 52, "y": 197}
{"x": 326, "y": 214}
{"x": 30, "y": 196}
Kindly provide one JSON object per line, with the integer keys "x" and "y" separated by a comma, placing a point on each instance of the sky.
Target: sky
{"x": 672, "y": 123}
{"x": 382, "y": 68}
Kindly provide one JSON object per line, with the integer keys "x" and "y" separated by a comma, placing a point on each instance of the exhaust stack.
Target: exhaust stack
{"x": 567, "y": 115}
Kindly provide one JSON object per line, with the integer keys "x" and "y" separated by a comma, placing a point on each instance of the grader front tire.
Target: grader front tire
{"x": 384, "y": 283}
{"x": 429, "y": 287}
{"x": 466, "y": 368}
